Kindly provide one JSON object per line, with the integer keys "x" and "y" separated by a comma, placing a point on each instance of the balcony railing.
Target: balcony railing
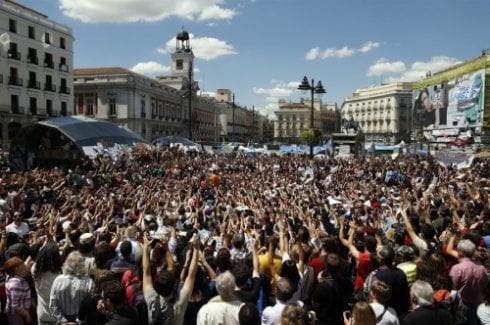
{"x": 34, "y": 84}
{"x": 64, "y": 90}
{"x": 49, "y": 87}
{"x": 17, "y": 109}
{"x": 143, "y": 114}
{"x": 13, "y": 55}
{"x": 64, "y": 67}
{"x": 15, "y": 81}
{"x": 32, "y": 59}
{"x": 49, "y": 64}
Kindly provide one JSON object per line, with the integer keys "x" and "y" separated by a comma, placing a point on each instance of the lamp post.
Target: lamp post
{"x": 233, "y": 118}
{"x": 318, "y": 89}
{"x": 191, "y": 89}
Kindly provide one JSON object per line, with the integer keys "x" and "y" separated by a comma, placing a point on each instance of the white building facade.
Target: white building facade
{"x": 36, "y": 68}
{"x": 382, "y": 112}
{"x": 293, "y": 118}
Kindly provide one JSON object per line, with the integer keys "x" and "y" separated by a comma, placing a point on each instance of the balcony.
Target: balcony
{"x": 64, "y": 90}
{"x": 14, "y": 55}
{"x": 64, "y": 67}
{"x": 143, "y": 115}
{"x": 32, "y": 59}
{"x": 49, "y": 87}
{"x": 15, "y": 109}
{"x": 33, "y": 84}
{"x": 15, "y": 81}
{"x": 49, "y": 64}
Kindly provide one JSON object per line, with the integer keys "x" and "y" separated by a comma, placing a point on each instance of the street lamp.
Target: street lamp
{"x": 191, "y": 89}
{"x": 318, "y": 89}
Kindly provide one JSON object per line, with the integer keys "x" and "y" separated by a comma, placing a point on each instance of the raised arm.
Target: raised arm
{"x": 191, "y": 276}
{"x": 147, "y": 279}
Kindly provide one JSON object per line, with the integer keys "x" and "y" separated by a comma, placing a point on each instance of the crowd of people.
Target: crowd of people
{"x": 162, "y": 237}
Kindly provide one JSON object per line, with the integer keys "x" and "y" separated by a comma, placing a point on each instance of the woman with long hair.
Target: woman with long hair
{"x": 362, "y": 314}
{"x": 44, "y": 272}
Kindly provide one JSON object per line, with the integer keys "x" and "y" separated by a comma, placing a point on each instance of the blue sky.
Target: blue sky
{"x": 261, "y": 49}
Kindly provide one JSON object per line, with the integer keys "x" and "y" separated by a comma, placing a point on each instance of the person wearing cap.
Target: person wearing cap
{"x": 17, "y": 226}
{"x": 405, "y": 257}
{"x": 17, "y": 289}
{"x": 86, "y": 244}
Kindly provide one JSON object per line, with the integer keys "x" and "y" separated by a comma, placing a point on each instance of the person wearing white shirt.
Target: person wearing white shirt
{"x": 17, "y": 226}
{"x": 381, "y": 292}
{"x": 284, "y": 292}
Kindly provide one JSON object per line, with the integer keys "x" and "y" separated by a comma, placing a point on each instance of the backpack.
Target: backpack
{"x": 138, "y": 301}
{"x": 453, "y": 303}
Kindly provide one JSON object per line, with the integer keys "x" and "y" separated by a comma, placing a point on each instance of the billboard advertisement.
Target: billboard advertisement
{"x": 451, "y": 106}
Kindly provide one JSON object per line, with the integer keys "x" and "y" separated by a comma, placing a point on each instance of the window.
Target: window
{"x": 48, "y": 85}
{"x": 62, "y": 43}
{"x": 49, "y": 107}
{"x": 143, "y": 112}
{"x": 33, "y": 105}
{"x": 153, "y": 108}
{"x": 112, "y": 107}
{"x": 63, "y": 66}
{"x": 32, "y": 56}
{"x": 14, "y": 104}
{"x": 47, "y": 38}
{"x": 31, "y": 32}
{"x": 90, "y": 107}
{"x": 12, "y": 26}
{"x": 12, "y": 52}
{"x": 48, "y": 60}
{"x": 179, "y": 64}
{"x": 33, "y": 83}
{"x": 63, "y": 109}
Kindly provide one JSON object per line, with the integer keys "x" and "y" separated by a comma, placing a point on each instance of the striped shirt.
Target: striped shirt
{"x": 66, "y": 295}
{"x": 18, "y": 294}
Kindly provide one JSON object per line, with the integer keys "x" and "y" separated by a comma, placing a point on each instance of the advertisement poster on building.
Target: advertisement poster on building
{"x": 449, "y": 106}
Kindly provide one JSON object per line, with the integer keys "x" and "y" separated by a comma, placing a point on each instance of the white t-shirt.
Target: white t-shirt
{"x": 21, "y": 230}
{"x": 389, "y": 317}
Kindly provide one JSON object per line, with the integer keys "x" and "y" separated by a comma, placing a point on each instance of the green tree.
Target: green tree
{"x": 310, "y": 137}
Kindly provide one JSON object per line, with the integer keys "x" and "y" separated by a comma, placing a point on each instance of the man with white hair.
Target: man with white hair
{"x": 424, "y": 311}
{"x": 470, "y": 279}
{"x": 224, "y": 308}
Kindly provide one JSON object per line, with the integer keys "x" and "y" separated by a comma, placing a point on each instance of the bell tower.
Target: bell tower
{"x": 182, "y": 58}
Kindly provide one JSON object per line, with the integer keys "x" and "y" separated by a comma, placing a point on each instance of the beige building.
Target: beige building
{"x": 151, "y": 107}
{"x": 294, "y": 118}
{"x": 36, "y": 68}
{"x": 382, "y": 112}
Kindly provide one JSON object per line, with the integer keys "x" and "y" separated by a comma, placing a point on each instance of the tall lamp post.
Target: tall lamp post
{"x": 318, "y": 89}
{"x": 233, "y": 118}
{"x": 192, "y": 88}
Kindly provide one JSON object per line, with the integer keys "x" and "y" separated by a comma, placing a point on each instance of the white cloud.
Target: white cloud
{"x": 150, "y": 68}
{"x": 215, "y": 12}
{"x": 279, "y": 90}
{"x": 124, "y": 11}
{"x": 384, "y": 67}
{"x": 268, "y": 109}
{"x": 397, "y": 71}
{"x": 368, "y": 46}
{"x": 343, "y": 52}
{"x": 205, "y": 48}
{"x": 313, "y": 53}
{"x": 317, "y": 53}
{"x": 418, "y": 69}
